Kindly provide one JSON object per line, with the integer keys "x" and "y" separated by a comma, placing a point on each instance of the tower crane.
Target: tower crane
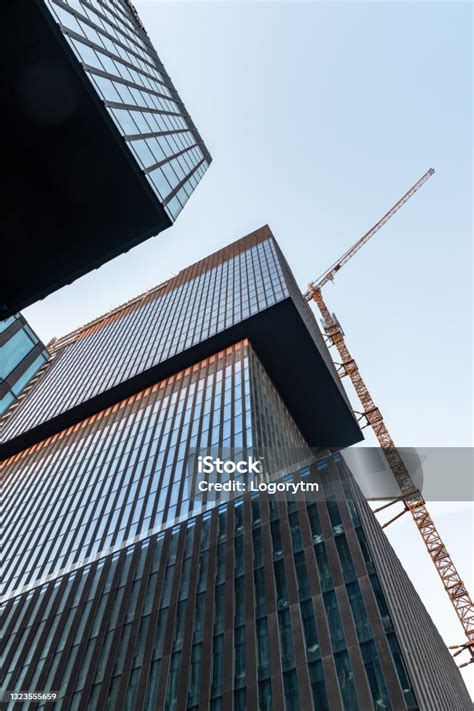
{"x": 410, "y": 496}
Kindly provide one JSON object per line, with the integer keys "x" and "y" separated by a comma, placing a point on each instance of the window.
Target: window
{"x": 402, "y": 672}
{"x": 290, "y": 685}
{"x": 6, "y": 323}
{"x": 86, "y": 53}
{"x": 310, "y": 632}
{"x": 295, "y": 529}
{"x": 335, "y": 516}
{"x": 260, "y": 602}
{"x": 217, "y": 665}
{"x": 325, "y": 577}
{"x": 346, "y": 681}
{"x": 195, "y": 675}
{"x": 173, "y": 681}
{"x": 239, "y": 656}
{"x": 13, "y": 352}
{"x": 359, "y": 612}
{"x": 286, "y": 640}
{"x": 381, "y": 604}
{"x": 143, "y": 152}
{"x": 302, "y": 576}
{"x": 375, "y": 675}
{"x": 219, "y": 609}
{"x": 336, "y": 631}
{"x": 345, "y": 558}
{"x": 280, "y": 578}
{"x": 5, "y": 402}
{"x": 318, "y": 686}
{"x": 265, "y": 696}
{"x": 263, "y": 648}
{"x": 365, "y": 550}
{"x": 24, "y": 379}
{"x": 160, "y": 182}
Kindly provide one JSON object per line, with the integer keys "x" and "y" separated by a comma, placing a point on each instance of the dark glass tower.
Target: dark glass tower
{"x": 125, "y": 589}
{"x": 100, "y": 146}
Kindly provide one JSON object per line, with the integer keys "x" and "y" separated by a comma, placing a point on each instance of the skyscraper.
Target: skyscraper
{"x": 126, "y": 589}
{"x": 101, "y": 148}
{"x": 21, "y": 356}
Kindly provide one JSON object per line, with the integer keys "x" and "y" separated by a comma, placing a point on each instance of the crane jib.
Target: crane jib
{"x": 328, "y": 275}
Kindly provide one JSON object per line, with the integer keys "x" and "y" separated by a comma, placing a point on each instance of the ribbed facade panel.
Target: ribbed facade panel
{"x": 435, "y": 676}
{"x": 268, "y": 604}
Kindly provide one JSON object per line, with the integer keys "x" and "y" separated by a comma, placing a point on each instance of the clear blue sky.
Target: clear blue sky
{"x": 319, "y": 116}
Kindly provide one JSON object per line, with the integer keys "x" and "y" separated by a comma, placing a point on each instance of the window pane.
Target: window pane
{"x": 13, "y": 352}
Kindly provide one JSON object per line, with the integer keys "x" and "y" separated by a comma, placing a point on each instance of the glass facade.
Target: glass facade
{"x": 127, "y": 74}
{"x": 125, "y": 471}
{"x": 189, "y": 309}
{"x": 253, "y": 600}
{"x": 21, "y": 356}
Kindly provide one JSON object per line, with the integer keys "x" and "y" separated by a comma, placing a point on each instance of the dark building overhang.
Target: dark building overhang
{"x": 73, "y": 194}
{"x": 287, "y": 351}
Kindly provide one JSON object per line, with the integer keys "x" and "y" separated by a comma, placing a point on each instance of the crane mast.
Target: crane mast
{"x": 410, "y": 496}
